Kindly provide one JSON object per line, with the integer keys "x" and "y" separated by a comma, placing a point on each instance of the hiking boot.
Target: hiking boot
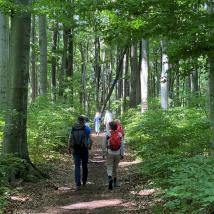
{"x": 77, "y": 188}
{"x": 110, "y": 182}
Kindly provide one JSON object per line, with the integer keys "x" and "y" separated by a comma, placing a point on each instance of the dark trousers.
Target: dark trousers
{"x": 81, "y": 157}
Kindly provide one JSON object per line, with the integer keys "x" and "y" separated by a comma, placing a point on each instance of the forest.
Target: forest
{"x": 150, "y": 62}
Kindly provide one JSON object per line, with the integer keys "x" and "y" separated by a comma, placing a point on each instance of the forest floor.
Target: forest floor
{"x": 58, "y": 195}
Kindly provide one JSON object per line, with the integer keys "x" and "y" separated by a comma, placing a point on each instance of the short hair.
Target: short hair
{"x": 81, "y": 119}
{"x": 113, "y": 125}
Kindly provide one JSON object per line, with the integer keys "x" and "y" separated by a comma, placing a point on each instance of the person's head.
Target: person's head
{"x": 97, "y": 113}
{"x": 113, "y": 126}
{"x": 81, "y": 119}
{"x": 117, "y": 121}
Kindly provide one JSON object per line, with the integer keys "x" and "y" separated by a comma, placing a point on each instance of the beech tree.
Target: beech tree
{"x": 15, "y": 135}
{"x": 144, "y": 75}
{"x": 43, "y": 54}
{"x": 4, "y": 60}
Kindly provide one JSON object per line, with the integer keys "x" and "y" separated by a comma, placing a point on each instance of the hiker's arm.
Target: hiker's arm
{"x": 69, "y": 144}
{"x": 104, "y": 147}
{"x": 91, "y": 142}
{"x": 122, "y": 148}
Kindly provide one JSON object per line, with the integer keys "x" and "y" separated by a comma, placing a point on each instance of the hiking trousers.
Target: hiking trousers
{"x": 112, "y": 163}
{"x": 81, "y": 158}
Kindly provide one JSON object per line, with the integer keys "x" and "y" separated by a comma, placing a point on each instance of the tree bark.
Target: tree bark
{"x": 54, "y": 59}
{"x": 4, "y": 60}
{"x": 43, "y": 55}
{"x": 97, "y": 69}
{"x": 164, "y": 78}
{"x": 118, "y": 70}
{"x": 15, "y": 135}
{"x": 144, "y": 75}
{"x": 211, "y": 79}
{"x": 33, "y": 60}
{"x": 133, "y": 78}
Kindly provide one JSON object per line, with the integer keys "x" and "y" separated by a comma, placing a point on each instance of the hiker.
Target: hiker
{"x": 113, "y": 150}
{"x": 97, "y": 121}
{"x": 119, "y": 127}
{"x": 107, "y": 119}
{"x": 78, "y": 146}
{"x": 87, "y": 122}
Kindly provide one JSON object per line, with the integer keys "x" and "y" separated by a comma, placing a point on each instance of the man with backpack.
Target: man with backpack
{"x": 113, "y": 150}
{"x": 78, "y": 145}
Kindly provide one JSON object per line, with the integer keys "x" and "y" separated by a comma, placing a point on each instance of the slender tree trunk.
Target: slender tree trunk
{"x": 211, "y": 78}
{"x": 15, "y": 135}
{"x": 70, "y": 70}
{"x": 144, "y": 75}
{"x": 138, "y": 82}
{"x": 195, "y": 87}
{"x": 43, "y": 83}
{"x": 134, "y": 72}
{"x": 33, "y": 60}
{"x": 118, "y": 70}
{"x": 164, "y": 79}
{"x": 120, "y": 87}
{"x": 177, "y": 93}
{"x": 126, "y": 81}
{"x": 83, "y": 80}
{"x": 4, "y": 60}
{"x": 54, "y": 59}
{"x": 97, "y": 71}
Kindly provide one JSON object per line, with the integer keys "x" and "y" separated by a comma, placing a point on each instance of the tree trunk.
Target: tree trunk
{"x": 125, "y": 81}
{"x": 144, "y": 75}
{"x": 120, "y": 88}
{"x": 33, "y": 60}
{"x": 164, "y": 78}
{"x": 97, "y": 71}
{"x": 70, "y": 70}
{"x": 118, "y": 70}
{"x": 15, "y": 135}
{"x": 54, "y": 59}
{"x": 134, "y": 72}
{"x": 83, "y": 79}
{"x": 211, "y": 79}
{"x": 4, "y": 60}
{"x": 43, "y": 55}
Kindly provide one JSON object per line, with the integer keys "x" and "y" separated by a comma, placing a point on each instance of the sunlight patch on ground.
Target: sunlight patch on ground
{"x": 64, "y": 189}
{"x": 20, "y": 198}
{"x": 125, "y": 163}
{"x": 145, "y": 192}
{"x": 96, "y": 161}
{"x": 93, "y": 204}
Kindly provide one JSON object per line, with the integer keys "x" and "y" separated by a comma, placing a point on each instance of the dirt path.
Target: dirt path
{"x": 58, "y": 194}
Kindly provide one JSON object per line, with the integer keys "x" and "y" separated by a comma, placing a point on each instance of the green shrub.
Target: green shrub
{"x": 174, "y": 146}
{"x": 191, "y": 187}
{"x": 10, "y": 167}
{"x": 48, "y": 128}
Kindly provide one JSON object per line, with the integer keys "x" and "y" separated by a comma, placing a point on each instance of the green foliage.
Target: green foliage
{"x": 10, "y": 167}
{"x": 177, "y": 132}
{"x": 174, "y": 146}
{"x": 48, "y": 128}
{"x": 191, "y": 186}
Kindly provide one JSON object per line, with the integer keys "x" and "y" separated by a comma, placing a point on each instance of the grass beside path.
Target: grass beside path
{"x": 58, "y": 195}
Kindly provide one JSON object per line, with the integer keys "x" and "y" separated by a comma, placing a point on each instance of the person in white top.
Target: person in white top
{"x": 107, "y": 119}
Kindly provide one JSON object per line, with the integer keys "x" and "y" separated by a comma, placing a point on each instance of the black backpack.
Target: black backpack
{"x": 78, "y": 137}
